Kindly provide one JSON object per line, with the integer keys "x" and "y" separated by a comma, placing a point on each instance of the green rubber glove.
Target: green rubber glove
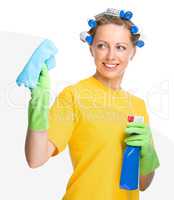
{"x": 139, "y": 134}
{"x": 39, "y": 102}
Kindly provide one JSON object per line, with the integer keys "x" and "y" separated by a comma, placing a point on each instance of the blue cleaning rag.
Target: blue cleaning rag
{"x": 31, "y": 71}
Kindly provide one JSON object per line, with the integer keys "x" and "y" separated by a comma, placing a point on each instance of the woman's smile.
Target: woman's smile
{"x": 110, "y": 67}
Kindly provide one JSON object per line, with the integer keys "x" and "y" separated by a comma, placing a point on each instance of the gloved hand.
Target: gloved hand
{"x": 139, "y": 134}
{"x": 39, "y": 103}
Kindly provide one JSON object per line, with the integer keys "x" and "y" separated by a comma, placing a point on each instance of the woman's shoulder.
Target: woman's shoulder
{"x": 136, "y": 99}
{"x": 76, "y": 85}
{"x": 81, "y": 83}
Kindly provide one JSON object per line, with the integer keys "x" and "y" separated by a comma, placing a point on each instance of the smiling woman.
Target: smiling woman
{"x": 112, "y": 50}
{"x": 112, "y": 47}
{"x": 91, "y": 117}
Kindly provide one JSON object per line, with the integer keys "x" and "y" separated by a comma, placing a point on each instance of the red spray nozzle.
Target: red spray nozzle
{"x": 130, "y": 118}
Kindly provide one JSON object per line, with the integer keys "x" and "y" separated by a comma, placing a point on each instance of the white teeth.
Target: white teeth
{"x": 111, "y": 66}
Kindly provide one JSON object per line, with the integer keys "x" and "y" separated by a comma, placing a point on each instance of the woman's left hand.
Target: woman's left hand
{"x": 139, "y": 134}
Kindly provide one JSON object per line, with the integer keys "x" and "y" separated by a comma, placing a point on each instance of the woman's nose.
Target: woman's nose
{"x": 111, "y": 54}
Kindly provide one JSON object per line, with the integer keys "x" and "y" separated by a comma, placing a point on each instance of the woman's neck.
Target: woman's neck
{"x": 114, "y": 84}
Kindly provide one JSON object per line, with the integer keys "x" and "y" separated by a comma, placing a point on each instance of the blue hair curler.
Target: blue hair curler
{"x": 139, "y": 43}
{"x": 128, "y": 15}
{"x": 121, "y": 14}
{"x": 85, "y": 37}
{"x": 92, "y": 23}
{"x": 134, "y": 29}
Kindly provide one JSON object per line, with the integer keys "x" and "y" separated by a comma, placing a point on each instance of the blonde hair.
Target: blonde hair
{"x": 107, "y": 19}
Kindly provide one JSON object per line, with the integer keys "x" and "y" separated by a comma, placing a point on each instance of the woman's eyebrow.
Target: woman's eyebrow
{"x": 115, "y": 43}
{"x": 102, "y": 41}
{"x": 122, "y": 43}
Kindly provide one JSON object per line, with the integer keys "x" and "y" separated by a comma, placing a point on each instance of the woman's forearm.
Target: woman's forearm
{"x": 145, "y": 181}
{"x": 36, "y": 148}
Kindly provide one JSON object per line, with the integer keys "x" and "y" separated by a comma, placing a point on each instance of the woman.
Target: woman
{"x": 91, "y": 117}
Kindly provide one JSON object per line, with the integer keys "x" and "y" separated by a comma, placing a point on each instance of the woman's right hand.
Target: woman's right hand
{"x": 39, "y": 102}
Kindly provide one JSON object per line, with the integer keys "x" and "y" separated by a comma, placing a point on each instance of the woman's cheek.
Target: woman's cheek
{"x": 124, "y": 57}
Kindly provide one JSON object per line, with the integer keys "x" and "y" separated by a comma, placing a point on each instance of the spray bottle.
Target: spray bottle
{"x": 129, "y": 179}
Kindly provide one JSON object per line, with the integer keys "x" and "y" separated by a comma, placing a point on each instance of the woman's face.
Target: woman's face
{"x": 112, "y": 49}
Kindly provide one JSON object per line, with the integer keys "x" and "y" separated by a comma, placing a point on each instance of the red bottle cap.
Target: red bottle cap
{"x": 130, "y": 118}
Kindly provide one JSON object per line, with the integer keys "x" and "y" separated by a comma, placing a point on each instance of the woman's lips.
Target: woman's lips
{"x": 110, "y": 67}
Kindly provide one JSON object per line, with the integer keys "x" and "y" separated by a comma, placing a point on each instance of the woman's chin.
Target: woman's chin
{"x": 110, "y": 76}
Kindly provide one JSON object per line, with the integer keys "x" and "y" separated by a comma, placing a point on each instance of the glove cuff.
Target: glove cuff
{"x": 38, "y": 112}
{"x": 149, "y": 163}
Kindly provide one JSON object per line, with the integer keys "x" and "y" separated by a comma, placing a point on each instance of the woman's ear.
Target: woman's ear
{"x": 132, "y": 54}
{"x": 90, "y": 48}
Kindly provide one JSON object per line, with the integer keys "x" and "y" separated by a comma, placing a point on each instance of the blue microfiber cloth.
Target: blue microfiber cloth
{"x": 31, "y": 71}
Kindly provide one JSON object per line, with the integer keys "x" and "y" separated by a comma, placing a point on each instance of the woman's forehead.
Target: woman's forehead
{"x": 112, "y": 32}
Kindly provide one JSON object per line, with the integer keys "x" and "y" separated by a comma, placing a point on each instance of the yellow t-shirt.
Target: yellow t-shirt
{"x": 91, "y": 118}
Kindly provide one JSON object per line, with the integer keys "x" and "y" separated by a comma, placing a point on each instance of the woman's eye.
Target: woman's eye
{"x": 101, "y": 46}
{"x": 121, "y": 48}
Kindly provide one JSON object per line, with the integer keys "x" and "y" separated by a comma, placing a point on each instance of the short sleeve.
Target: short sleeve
{"x": 156, "y": 162}
{"x": 146, "y": 118}
{"x": 61, "y": 119}
{"x": 145, "y": 113}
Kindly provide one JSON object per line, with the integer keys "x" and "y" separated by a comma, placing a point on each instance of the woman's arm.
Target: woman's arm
{"x": 38, "y": 149}
{"x": 145, "y": 181}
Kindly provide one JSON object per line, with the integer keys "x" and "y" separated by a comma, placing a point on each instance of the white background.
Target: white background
{"x": 23, "y": 25}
